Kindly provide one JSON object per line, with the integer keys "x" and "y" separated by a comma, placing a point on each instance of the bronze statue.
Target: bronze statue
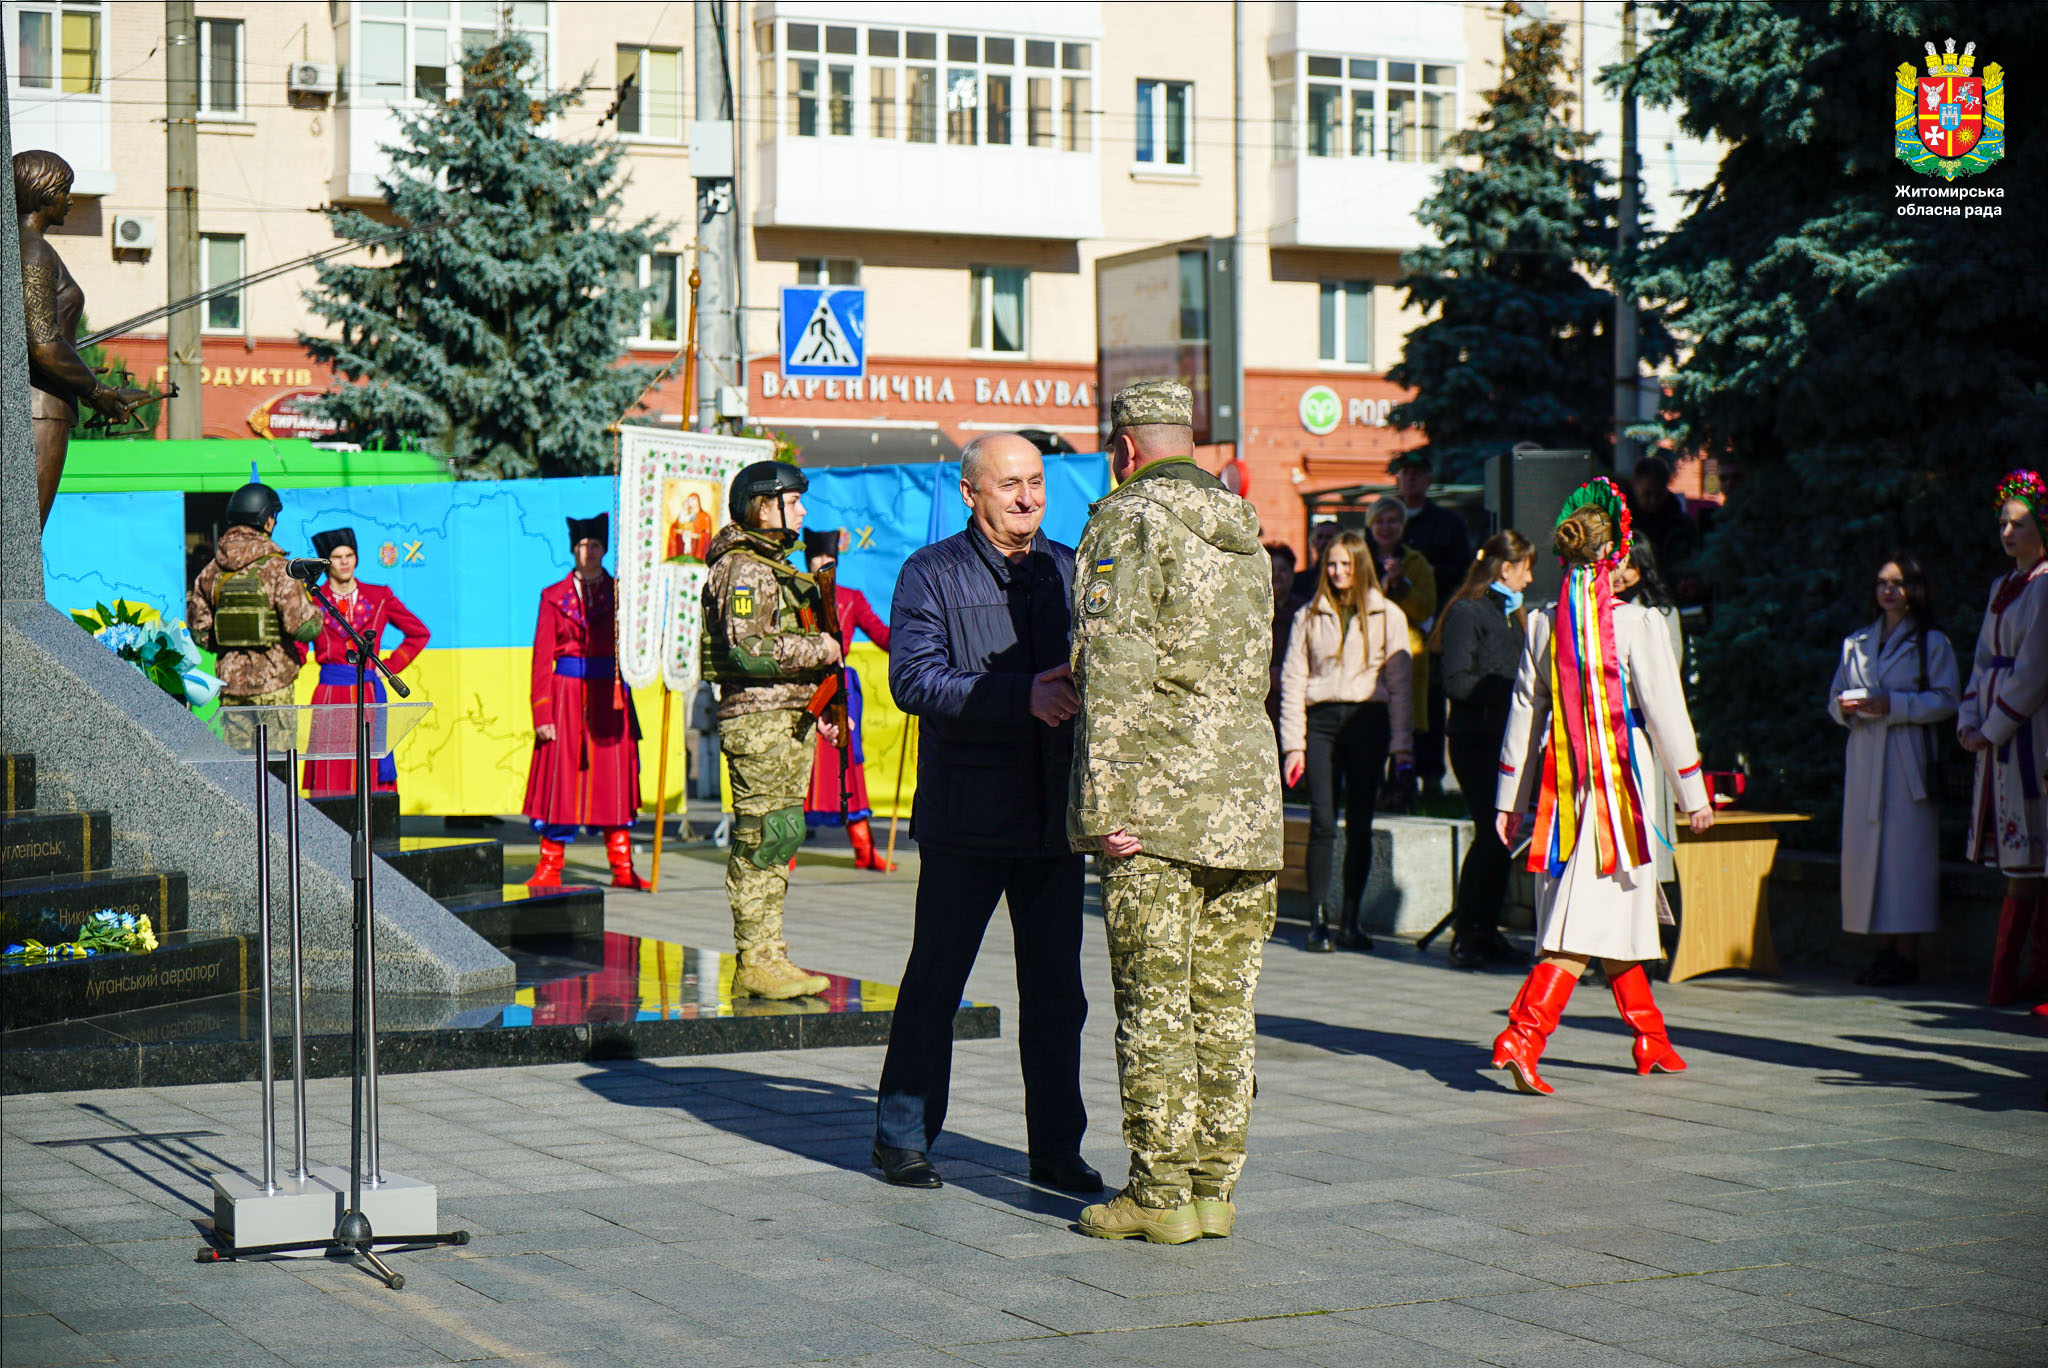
{"x": 53, "y": 302}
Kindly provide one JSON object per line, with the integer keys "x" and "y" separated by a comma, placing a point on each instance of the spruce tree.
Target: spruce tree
{"x": 494, "y": 338}
{"x": 1516, "y": 344}
{"x": 1870, "y": 373}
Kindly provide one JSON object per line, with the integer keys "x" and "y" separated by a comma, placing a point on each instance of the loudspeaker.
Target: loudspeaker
{"x": 1524, "y": 490}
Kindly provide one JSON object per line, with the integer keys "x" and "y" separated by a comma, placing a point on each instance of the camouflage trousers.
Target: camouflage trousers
{"x": 1185, "y": 943}
{"x": 768, "y": 756}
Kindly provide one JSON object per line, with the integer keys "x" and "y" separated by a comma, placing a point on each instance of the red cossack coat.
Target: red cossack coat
{"x": 589, "y": 774}
{"x": 822, "y": 804}
{"x": 370, "y": 609}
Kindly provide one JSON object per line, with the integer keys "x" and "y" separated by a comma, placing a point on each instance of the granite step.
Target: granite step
{"x": 443, "y": 866}
{"x": 35, "y": 842}
{"x": 17, "y": 782}
{"x": 184, "y": 967}
{"x": 631, "y": 998}
{"x": 383, "y": 814}
{"x": 513, "y": 915}
{"x": 51, "y": 907}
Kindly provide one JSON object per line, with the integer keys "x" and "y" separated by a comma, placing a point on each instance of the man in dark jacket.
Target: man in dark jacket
{"x": 980, "y": 629}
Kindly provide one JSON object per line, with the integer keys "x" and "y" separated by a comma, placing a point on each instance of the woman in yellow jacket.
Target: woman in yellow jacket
{"x": 1345, "y": 702}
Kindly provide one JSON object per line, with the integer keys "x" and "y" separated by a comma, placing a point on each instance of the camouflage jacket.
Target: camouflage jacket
{"x": 761, "y": 643}
{"x": 247, "y": 673}
{"x": 1173, "y": 633}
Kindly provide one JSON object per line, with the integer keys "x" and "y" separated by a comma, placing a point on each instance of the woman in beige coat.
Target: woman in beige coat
{"x": 1345, "y": 704}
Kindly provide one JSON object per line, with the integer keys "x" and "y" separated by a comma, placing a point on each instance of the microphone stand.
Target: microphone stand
{"x": 352, "y": 1233}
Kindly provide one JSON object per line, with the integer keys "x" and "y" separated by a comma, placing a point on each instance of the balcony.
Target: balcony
{"x": 1355, "y": 202}
{"x": 891, "y": 186}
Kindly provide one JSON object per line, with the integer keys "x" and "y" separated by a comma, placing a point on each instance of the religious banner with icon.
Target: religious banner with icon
{"x": 671, "y": 500}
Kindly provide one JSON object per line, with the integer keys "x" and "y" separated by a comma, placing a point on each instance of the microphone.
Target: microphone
{"x": 305, "y": 569}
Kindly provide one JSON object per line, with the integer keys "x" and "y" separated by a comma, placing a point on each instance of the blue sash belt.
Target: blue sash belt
{"x": 344, "y": 676}
{"x": 583, "y": 667}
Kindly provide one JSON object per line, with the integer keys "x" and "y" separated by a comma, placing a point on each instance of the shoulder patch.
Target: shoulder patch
{"x": 1106, "y": 563}
{"x": 743, "y": 601}
{"x": 1097, "y": 597}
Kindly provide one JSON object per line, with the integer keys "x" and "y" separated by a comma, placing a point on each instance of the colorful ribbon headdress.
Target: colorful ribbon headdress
{"x": 1588, "y": 777}
{"x": 2028, "y": 488}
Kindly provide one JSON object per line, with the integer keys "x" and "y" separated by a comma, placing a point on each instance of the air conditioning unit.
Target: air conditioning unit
{"x": 134, "y": 233}
{"x": 312, "y": 78}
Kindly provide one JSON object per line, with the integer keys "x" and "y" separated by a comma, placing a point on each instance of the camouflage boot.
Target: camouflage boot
{"x": 1121, "y": 1217}
{"x": 1217, "y": 1215}
{"x": 765, "y": 971}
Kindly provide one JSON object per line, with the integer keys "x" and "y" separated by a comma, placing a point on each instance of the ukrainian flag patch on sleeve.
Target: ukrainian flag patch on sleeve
{"x": 1106, "y": 563}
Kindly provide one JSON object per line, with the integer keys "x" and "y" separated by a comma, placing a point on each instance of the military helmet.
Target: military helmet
{"x": 250, "y": 505}
{"x": 763, "y": 477}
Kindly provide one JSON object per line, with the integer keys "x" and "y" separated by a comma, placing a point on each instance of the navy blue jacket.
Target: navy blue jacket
{"x": 967, "y": 632}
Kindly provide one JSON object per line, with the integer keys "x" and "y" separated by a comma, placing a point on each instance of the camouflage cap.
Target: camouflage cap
{"x": 1152, "y": 401}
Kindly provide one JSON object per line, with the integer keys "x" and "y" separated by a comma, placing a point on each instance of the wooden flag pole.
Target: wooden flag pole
{"x": 896, "y": 806}
{"x": 661, "y": 764}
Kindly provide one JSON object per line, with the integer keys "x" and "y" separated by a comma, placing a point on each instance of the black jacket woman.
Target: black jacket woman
{"x": 1480, "y": 634}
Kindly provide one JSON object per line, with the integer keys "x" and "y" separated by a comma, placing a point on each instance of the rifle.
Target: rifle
{"x": 828, "y": 701}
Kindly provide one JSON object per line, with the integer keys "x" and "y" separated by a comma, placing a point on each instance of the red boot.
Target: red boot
{"x": 548, "y": 873}
{"x": 1632, "y": 999}
{"x": 2014, "y": 917}
{"x": 864, "y": 854}
{"x": 1531, "y": 1018}
{"x": 618, "y": 846}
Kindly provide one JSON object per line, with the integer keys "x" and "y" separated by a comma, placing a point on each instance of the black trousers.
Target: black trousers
{"x": 1483, "y": 882}
{"x": 1346, "y": 755}
{"x": 956, "y": 896}
{"x": 1429, "y": 742}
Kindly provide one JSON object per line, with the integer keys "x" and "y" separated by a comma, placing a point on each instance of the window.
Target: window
{"x": 1346, "y": 332}
{"x": 411, "y": 51}
{"x": 650, "y": 92}
{"x": 924, "y": 86}
{"x": 663, "y": 272}
{"x": 220, "y": 67}
{"x": 1165, "y": 123}
{"x": 220, "y": 261}
{"x": 58, "y": 48}
{"x": 827, "y": 271}
{"x": 996, "y": 309}
{"x": 1364, "y": 107}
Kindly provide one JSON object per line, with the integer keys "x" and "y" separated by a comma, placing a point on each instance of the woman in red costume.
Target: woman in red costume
{"x": 1597, "y": 703}
{"x": 369, "y": 608}
{"x": 821, "y": 549}
{"x": 585, "y": 773}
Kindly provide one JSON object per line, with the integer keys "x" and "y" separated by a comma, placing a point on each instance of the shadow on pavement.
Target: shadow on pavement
{"x": 828, "y": 1123}
{"x": 1454, "y": 1063}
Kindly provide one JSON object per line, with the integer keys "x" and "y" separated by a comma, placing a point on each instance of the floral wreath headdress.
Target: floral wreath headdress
{"x": 1588, "y": 780}
{"x": 2026, "y": 486}
{"x": 1603, "y": 494}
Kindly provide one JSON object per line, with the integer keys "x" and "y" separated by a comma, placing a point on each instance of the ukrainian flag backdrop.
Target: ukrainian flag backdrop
{"x": 471, "y": 557}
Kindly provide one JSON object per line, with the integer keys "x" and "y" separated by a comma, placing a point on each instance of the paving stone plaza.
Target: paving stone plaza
{"x": 1840, "y": 1178}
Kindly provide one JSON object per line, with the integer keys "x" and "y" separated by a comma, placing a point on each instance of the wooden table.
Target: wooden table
{"x": 1724, "y": 880}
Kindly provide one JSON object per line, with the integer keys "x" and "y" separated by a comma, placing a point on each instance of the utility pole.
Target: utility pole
{"x": 1237, "y": 419}
{"x": 711, "y": 162}
{"x": 181, "y": 237}
{"x": 1627, "y": 391}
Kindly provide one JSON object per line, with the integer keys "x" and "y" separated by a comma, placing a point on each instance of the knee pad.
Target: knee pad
{"x": 782, "y": 835}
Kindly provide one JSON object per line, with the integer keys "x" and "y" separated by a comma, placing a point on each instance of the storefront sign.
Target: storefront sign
{"x": 1322, "y": 411}
{"x": 933, "y": 389}
{"x": 290, "y": 415}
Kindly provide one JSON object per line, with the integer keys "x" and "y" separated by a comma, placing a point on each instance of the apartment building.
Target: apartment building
{"x": 1016, "y": 185}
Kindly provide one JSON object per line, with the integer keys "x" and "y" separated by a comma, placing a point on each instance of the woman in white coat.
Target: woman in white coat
{"x": 1896, "y": 683}
{"x": 2004, "y": 719}
{"x": 1598, "y": 701}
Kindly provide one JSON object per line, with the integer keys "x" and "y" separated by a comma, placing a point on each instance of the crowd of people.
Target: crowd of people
{"x": 1142, "y": 699}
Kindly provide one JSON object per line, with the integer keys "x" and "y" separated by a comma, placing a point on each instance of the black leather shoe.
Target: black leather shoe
{"x": 1067, "y": 1172}
{"x": 1465, "y": 955}
{"x": 1318, "y": 941}
{"x": 905, "y": 1167}
{"x": 1500, "y": 950}
{"x": 1353, "y": 937}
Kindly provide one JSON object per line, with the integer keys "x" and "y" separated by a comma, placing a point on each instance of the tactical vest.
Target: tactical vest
{"x": 795, "y": 612}
{"x": 244, "y": 619}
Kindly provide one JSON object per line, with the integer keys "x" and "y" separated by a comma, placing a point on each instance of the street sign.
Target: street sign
{"x": 824, "y": 331}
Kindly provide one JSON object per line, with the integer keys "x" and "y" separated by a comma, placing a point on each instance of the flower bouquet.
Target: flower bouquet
{"x": 104, "y": 932}
{"x": 136, "y": 633}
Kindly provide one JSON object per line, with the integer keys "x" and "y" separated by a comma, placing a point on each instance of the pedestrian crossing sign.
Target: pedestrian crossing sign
{"x": 824, "y": 332}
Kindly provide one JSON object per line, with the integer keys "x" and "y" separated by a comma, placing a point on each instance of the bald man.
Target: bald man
{"x": 979, "y": 633}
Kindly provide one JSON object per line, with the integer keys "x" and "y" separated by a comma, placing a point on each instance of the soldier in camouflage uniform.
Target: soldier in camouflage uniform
{"x": 763, "y": 648}
{"x": 1176, "y": 784}
{"x": 247, "y": 610}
